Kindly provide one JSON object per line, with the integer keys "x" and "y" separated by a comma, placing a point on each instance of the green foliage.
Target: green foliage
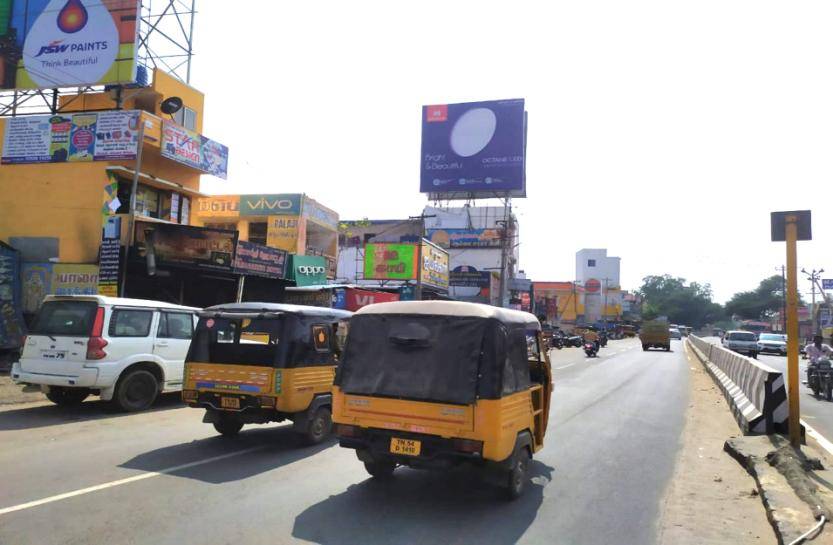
{"x": 760, "y": 303}
{"x": 687, "y": 304}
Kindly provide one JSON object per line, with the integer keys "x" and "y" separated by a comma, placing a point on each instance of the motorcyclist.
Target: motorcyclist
{"x": 603, "y": 337}
{"x": 591, "y": 336}
{"x": 817, "y": 351}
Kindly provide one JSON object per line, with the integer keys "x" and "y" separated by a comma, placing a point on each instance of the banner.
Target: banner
{"x": 465, "y": 238}
{"x": 12, "y": 327}
{"x": 68, "y": 43}
{"x": 281, "y": 204}
{"x": 101, "y": 136}
{"x": 434, "y": 266}
{"x": 390, "y": 261}
{"x": 109, "y": 258}
{"x": 195, "y": 150}
{"x": 185, "y": 246}
{"x": 308, "y": 270}
{"x": 282, "y": 232}
{"x": 37, "y": 284}
{"x": 355, "y": 299}
{"x": 258, "y": 260}
{"x": 72, "y": 279}
{"x": 477, "y": 149}
{"x": 467, "y": 276}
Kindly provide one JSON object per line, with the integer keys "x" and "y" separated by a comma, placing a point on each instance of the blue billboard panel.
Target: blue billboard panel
{"x": 474, "y": 149}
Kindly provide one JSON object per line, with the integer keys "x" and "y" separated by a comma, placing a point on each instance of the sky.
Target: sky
{"x": 663, "y": 131}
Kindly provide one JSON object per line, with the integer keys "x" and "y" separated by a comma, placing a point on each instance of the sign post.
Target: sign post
{"x": 790, "y": 227}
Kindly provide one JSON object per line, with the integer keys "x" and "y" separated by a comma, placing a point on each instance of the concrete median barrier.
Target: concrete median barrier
{"x": 755, "y": 392}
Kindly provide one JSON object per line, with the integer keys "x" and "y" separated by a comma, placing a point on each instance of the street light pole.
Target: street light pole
{"x": 813, "y": 277}
{"x": 791, "y": 228}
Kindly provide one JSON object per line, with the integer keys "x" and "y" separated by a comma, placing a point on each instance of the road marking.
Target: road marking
{"x": 820, "y": 439}
{"x": 128, "y": 480}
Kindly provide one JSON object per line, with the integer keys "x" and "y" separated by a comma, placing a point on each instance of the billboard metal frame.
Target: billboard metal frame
{"x": 165, "y": 41}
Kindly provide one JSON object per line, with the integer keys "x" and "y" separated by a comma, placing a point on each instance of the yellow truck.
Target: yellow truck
{"x": 655, "y": 334}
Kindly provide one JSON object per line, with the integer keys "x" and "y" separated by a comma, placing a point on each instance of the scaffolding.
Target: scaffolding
{"x": 165, "y": 41}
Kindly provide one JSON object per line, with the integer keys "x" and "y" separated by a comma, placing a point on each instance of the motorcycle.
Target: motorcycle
{"x": 603, "y": 340}
{"x": 557, "y": 341}
{"x": 574, "y": 340}
{"x": 591, "y": 349}
{"x": 820, "y": 379}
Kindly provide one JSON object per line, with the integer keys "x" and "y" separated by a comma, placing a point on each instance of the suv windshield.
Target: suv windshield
{"x": 742, "y": 337}
{"x": 246, "y": 341}
{"x": 772, "y": 337}
{"x": 65, "y": 319}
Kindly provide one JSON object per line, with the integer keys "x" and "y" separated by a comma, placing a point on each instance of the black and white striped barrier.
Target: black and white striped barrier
{"x": 756, "y": 392}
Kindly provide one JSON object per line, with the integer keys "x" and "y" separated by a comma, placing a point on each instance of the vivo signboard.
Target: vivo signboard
{"x": 475, "y": 149}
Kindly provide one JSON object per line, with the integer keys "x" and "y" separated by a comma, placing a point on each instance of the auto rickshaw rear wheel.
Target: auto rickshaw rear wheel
{"x": 228, "y": 426}
{"x": 519, "y": 473}
{"x": 380, "y": 469}
{"x": 320, "y": 426}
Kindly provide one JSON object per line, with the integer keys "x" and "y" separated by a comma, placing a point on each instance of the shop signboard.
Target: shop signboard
{"x": 476, "y": 149}
{"x": 282, "y": 232}
{"x": 308, "y": 270}
{"x": 68, "y": 43}
{"x": 390, "y": 261}
{"x": 109, "y": 259}
{"x": 12, "y": 327}
{"x": 467, "y": 276}
{"x": 193, "y": 149}
{"x": 357, "y": 298}
{"x": 465, "y": 238}
{"x": 37, "y": 284}
{"x": 434, "y": 269}
{"x": 185, "y": 246}
{"x": 827, "y": 283}
{"x": 320, "y": 214}
{"x": 339, "y": 298}
{"x": 80, "y": 137}
{"x": 259, "y": 260}
{"x": 223, "y": 206}
{"x": 281, "y": 204}
{"x": 320, "y": 298}
{"x": 74, "y": 279}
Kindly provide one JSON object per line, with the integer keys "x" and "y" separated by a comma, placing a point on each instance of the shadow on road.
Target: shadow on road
{"x": 53, "y": 415}
{"x": 280, "y": 446}
{"x": 424, "y": 507}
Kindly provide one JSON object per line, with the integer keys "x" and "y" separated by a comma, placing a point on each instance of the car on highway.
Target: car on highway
{"x": 675, "y": 333}
{"x": 772, "y": 343}
{"x": 435, "y": 384}
{"x": 127, "y": 351}
{"x": 253, "y": 363}
{"x": 742, "y": 342}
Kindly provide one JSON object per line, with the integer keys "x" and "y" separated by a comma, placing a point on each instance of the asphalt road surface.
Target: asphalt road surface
{"x": 89, "y": 475}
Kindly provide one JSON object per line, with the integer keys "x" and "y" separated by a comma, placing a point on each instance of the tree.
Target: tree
{"x": 760, "y": 303}
{"x": 690, "y": 304}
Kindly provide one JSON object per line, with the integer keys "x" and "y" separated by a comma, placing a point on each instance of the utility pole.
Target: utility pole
{"x": 783, "y": 299}
{"x": 420, "y": 265}
{"x": 131, "y": 218}
{"x": 504, "y": 248}
{"x": 813, "y": 277}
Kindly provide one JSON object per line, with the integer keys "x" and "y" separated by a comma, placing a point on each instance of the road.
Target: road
{"x": 162, "y": 477}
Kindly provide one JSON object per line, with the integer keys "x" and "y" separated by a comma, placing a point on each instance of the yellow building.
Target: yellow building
{"x": 290, "y": 221}
{"x": 52, "y": 207}
{"x": 561, "y": 302}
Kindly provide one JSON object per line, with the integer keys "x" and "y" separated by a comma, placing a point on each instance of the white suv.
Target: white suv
{"x": 742, "y": 342}
{"x": 125, "y": 350}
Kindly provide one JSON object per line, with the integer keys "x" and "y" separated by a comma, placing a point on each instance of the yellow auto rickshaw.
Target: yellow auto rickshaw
{"x": 433, "y": 384}
{"x": 253, "y": 363}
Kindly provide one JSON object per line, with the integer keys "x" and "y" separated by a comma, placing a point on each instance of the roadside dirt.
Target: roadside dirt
{"x": 11, "y": 393}
{"x": 711, "y": 499}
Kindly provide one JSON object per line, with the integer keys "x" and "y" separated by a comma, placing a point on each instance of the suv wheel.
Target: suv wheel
{"x": 136, "y": 391}
{"x": 67, "y": 396}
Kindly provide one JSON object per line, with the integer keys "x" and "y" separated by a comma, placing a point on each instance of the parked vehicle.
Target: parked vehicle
{"x": 253, "y": 363}
{"x": 655, "y": 334}
{"x": 772, "y": 343}
{"x": 742, "y": 342}
{"x": 557, "y": 340}
{"x": 820, "y": 379}
{"x": 591, "y": 349}
{"x": 434, "y": 384}
{"x": 675, "y": 333}
{"x": 574, "y": 340}
{"x": 124, "y": 350}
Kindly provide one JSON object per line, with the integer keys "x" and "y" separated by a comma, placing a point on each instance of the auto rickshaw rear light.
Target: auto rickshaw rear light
{"x": 266, "y": 401}
{"x": 468, "y": 445}
{"x": 345, "y": 430}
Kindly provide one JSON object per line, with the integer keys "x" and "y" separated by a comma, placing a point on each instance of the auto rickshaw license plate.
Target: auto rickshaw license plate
{"x": 230, "y": 402}
{"x": 408, "y": 447}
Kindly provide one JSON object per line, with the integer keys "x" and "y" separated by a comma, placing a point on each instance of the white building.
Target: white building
{"x": 599, "y": 274}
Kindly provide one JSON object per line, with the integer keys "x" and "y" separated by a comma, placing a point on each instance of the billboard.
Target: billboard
{"x": 79, "y": 137}
{"x": 389, "y": 261}
{"x": 185, "y": 246}
{"x": 258, "y": 260}
{"x": 280, "y": 204}
{"x": 195, "y": 150}
{"x": 467, "y": 276}
{"x": 465, "y": 238}
{"x": 354, "y": 298}
{"x": 222, "y": 206}
{"x": 67, "y": 43}
{"x": 475, "y": 149}
{"x": 434, "y": 268}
